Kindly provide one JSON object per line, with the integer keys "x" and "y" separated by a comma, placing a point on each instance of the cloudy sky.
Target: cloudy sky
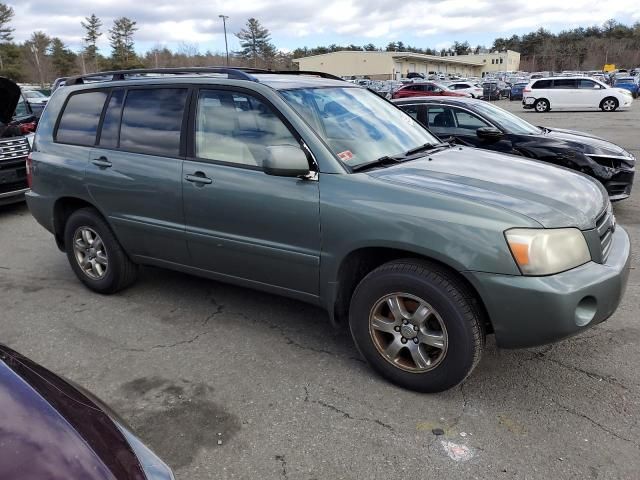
{"x": 425, "y": 23}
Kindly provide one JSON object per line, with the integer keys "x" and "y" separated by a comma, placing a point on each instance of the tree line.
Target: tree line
{"x": 577, "y": 49}
{"x": 42, "y": 58}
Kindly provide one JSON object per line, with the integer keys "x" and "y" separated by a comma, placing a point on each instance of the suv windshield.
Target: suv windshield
{"x": 508, "y": 121}
{"x": 358, "y": 125}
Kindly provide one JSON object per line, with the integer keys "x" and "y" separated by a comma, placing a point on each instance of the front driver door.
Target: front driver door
{"x": 241, "y": 223}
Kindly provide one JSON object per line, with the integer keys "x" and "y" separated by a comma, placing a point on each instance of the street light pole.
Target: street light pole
{"x": 224, "y": 25}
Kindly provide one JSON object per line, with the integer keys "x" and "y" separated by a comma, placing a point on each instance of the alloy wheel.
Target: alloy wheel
{"x": 609, "y": 105}
{"x": 408, "y": 332}
{"x": 90, "y": 253}
{"x": 541, "y": 106}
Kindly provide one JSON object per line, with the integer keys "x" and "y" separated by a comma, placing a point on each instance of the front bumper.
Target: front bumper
{"x": 530, "y": 311}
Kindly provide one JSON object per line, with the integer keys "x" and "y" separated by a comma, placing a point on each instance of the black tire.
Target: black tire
{"x": 120, "y": 271}
{"x": 541, "y": 105}
{"x": 604, "y": 104}
{"x": 448, "y": 295}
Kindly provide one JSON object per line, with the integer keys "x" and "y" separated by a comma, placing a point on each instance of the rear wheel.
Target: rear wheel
{"x": 541, "y": 105}
{"x": 609, "y": 104}
{"x": 95, "y": 255}
{"x": 417, "y": 325}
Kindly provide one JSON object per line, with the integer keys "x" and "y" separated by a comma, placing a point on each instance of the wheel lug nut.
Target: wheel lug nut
{"x": 403, "y": 340}
{"x": 404, "y": 322}
{"x": 415, "y": 340}
{"x": 397, "y": 329}
{"x": 415, "y": 327}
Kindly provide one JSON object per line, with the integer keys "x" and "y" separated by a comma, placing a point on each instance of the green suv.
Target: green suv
{"x": 303, "y": 185}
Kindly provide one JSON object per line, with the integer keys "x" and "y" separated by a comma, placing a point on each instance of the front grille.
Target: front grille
{"x": 11, "y": 149}
{"x": 605, "y": 226}
{"x": 13, "y": 186}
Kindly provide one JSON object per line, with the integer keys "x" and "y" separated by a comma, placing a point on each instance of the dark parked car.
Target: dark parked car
{"x": 479, "y": 124}
{"x": 52, "y": 429}
{"x": 516, "y": 91}
{"x": 16, "y": 123}
{"x": 304, "y": 185}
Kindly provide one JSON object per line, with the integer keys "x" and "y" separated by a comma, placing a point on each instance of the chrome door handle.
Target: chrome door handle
{"x": 102, "y": 162}
{"x": 198, "y": 177}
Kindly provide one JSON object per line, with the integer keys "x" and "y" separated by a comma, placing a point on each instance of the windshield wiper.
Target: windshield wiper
{"x": 426, "y": 147}
{"x": 383, "y": 161}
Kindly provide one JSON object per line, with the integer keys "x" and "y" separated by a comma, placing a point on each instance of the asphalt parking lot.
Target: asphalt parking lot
{"x": 224, "y": 382}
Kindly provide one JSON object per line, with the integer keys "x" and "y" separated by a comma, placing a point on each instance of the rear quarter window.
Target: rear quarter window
{"x": 80, "y": 118}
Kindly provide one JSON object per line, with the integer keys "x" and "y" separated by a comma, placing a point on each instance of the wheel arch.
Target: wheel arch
{"x": 358, "y": 263}
{"x": 62, "y": 210}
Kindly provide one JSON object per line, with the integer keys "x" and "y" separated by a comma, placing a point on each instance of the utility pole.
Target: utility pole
{"x": 224, "y": 25}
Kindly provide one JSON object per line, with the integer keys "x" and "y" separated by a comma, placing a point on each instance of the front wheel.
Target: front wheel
{"x": 94, "y": 253}
{"x": 417, "y": 325}
{"x": 609, "y": 104}
{"x": 541, "y": 105}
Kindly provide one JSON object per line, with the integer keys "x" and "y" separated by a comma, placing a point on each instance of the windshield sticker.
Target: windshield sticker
{"x": 345, "y": 156}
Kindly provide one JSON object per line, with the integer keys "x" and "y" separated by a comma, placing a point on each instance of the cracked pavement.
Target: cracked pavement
{"x": 228, "y": 383}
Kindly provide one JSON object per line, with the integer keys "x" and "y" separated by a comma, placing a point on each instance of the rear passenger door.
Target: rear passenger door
{"x": 565, "y": 93}
{"x": 135, "y": 170}
{"x": 245, "y": 225}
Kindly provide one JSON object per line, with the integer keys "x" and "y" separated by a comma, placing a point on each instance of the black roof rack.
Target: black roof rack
{"x": 235, "y": 73}
{"x": 305, "y": 72}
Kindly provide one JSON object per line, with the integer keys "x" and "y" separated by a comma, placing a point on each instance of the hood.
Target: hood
{"x": 49, "y": 429}
{"x": 554, "y": 197}
{"x": 9, "y": 97}
{"x": 585, "y": 143}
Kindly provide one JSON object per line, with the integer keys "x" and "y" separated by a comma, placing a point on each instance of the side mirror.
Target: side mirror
{"x": 286, "y": 161}
{"x": 489, "y": 133}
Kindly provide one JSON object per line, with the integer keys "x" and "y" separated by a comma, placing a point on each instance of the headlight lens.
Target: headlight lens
{"x": 547, "y": 251}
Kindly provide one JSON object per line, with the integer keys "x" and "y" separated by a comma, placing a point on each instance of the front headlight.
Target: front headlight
{"x": 547, "y": 251}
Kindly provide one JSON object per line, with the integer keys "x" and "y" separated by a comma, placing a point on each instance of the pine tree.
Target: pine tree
{"x": 255, "y": 41}
{"x": 63, "y": 60}
{"x": 121, "y": 40}
{"x": 6, "y": 15}
{"x": 92, "y": 27}
{"x": 36, "y": 48}
{"x": 6, "y": 32}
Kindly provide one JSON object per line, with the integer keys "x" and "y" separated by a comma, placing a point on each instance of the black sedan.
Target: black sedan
{"x": 480, "y": 124}
{"x": 51, "y": 429}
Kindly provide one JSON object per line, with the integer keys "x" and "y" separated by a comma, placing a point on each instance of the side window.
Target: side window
{"x": 21, "y": 108}
{"x": 565, "y": 83}
{"x": 541, "y": 84}
{"x": 417, "y": 112}
{"x": 588, "y": 84}
{"x": 468, "y": 123}
{"x": 441, "y": 121}
{"x": 237, "y": 128}
{"x": 111, "y": 123}
{"x": 79, "y": 122}
{"x": 152, "y": 121}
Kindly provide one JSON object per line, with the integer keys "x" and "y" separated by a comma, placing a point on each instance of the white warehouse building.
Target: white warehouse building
{"x": 393, "y": 65}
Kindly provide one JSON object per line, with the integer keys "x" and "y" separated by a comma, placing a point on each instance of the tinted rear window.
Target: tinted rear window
{"x": 80, "y": 118}
{"x": 542, "y": 84}
{"x": 565, "y": 83}
{"x": 152, "y": 121}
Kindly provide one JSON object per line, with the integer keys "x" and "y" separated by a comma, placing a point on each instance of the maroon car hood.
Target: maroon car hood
{"x": 49, "y": 430}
